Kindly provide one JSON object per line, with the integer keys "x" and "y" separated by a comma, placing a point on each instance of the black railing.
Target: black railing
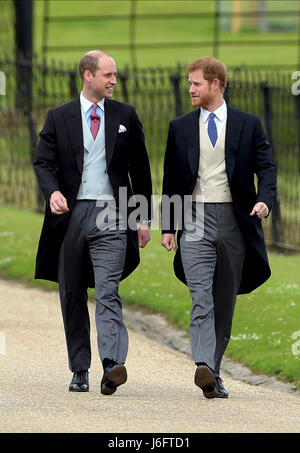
{"x": 159, "y": 95}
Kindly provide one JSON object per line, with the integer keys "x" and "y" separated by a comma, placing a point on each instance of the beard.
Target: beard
{"x": 206, "y": 100}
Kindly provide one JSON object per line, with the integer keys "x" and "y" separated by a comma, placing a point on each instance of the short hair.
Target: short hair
{"x": 90, "y": 61}
{"x": 212, "y": 69}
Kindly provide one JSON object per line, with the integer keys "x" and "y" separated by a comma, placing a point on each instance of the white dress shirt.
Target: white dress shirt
{"x": 87, "y": 108}
{"x": 220, "y": 118}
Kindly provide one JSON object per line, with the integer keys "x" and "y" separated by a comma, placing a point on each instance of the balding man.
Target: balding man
{"x": 91, "y": 150}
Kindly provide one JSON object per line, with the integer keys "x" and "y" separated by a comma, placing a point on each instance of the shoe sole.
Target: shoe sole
{"x": 78, "y": 389}
{"x": 219, "y": 395}
{"x": 116, "y": 377}
{"x": 205, "y": 379}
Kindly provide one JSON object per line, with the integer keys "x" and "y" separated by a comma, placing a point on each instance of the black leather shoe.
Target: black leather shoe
{"x": 80, "y": 382}
{"x": 114, "y": 375}
{"x": 205, "y": 379}
{"x": 222, "y": 393}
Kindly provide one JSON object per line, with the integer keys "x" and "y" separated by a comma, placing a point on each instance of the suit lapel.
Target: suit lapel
{"x": 112, "y": 122}
{"x": 88, "y": 140}
{"x": 233, "y": 131}
{"x": 74, "y": 131}
{"x": 191, "y": 141}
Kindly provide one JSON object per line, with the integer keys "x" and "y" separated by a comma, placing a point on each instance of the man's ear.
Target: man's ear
{"x": 87, "y": 75}
{"x": 216, "y": 84}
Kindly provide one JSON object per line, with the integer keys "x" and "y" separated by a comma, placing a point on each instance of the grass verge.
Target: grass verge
{"x": 112, "y": 31}
{"x": 266, "y": 327}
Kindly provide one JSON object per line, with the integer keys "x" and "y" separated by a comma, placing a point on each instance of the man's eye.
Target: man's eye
{"x": 196, "y": 84}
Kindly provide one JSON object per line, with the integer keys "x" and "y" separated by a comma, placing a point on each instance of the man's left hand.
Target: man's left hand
{"x": 143, "y": 235}
{"x": 260, "y": 209}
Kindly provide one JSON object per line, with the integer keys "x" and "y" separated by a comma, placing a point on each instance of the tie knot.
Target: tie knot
{"x": 94, "y": 115}
{"x": 95, "y": 122}
{"x": 212, "y": 116}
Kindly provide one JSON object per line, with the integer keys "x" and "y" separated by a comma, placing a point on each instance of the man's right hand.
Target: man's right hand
{"x": 168, "y": 241}
{"x": 58, "y": 203}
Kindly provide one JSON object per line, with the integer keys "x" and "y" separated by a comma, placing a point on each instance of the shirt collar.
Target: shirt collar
{"x": 86, "y": 104}
{"x": 220, "y": 113}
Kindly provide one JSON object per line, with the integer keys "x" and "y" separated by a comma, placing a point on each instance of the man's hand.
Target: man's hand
{"x": 260, "y": 209}
{"x": 143, "y": 235}
{"x": 168, "y": 242}
{"x": 58, "y": 203}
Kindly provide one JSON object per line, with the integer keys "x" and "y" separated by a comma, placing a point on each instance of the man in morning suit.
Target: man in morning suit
{"x": 89, "y": 149}
{"x": 212, "y": 155}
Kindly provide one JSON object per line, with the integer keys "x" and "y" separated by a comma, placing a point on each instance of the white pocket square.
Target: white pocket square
{"x": 122, "y": 128}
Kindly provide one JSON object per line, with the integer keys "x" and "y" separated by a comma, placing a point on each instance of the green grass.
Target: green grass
{"x": 266, "y": 328}
{"x": 267, "y": 320}
{"x": 19, "y": 234}
{"x": 108, "y": 32}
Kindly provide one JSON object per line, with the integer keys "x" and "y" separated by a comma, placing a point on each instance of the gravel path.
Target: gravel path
{"x": 159, "y": 396}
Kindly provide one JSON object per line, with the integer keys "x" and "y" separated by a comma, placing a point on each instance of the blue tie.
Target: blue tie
{"x": 212, "y": 129}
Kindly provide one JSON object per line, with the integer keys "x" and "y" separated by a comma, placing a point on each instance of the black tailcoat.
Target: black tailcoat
{"x": 58, "y": 163}
{"x": 247, "y": 152}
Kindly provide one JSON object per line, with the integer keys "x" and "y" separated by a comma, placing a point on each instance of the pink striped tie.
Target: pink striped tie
{"x": 95, "y": 122}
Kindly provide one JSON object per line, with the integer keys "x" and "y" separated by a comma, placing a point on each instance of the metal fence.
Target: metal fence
{"x": 159, "y": 95}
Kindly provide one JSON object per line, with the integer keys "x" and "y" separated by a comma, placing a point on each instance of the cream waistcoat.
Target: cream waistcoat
{"x": 212, "y": 183}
